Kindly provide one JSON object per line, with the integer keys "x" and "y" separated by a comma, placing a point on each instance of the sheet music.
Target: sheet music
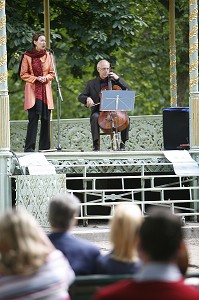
{"x": 183, "y": 163}
{"x": 37, "y": 164}
{"x": 117, "y": 100}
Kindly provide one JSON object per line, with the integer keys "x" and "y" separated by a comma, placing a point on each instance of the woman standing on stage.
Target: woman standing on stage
{"x": 37, "y": 71}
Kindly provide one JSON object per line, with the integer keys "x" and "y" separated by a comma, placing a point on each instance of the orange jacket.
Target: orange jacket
{"x": 26, "y": 74}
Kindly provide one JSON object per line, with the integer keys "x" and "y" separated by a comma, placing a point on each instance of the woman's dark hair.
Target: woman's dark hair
{"x": 36, "y": 36}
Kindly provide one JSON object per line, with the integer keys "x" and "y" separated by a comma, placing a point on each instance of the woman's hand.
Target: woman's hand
{"x": 42, "y": 79}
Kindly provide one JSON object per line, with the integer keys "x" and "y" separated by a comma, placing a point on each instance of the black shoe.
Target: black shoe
{"x": 122, "y": 146}
{"x": 29, "y": 150}
{"x": 96, "y": 146}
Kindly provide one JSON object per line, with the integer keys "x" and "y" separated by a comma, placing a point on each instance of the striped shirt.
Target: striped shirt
{"x": 51, "y": 281}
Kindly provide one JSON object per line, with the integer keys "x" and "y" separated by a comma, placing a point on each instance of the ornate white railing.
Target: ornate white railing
{"x": 74, "y": 134}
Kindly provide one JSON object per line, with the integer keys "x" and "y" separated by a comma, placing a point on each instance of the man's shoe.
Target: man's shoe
{"x": 96, "y": 146}
{"x": 122, "y": 146}
{"x": 29, "y": 150}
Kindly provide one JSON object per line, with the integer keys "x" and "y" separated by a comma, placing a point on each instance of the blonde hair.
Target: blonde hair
{"x": 124, "y": 232}
{"x": 24, "y": 246}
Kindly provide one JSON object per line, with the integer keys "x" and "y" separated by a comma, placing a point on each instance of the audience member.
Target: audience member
{"x": 30, "y": 266}
{"x": 82, "y": 254}
{"x": 160, "y": 242}
{"x": 125, "y": 226}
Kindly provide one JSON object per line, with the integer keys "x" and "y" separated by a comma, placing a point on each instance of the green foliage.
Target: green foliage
{"x": 149, "y": 60}
{"x": 132, "y": 35}
{"x": 94, "y": 29}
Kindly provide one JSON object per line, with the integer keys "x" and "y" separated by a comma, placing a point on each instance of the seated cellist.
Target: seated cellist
{"x": 91, "y": 98}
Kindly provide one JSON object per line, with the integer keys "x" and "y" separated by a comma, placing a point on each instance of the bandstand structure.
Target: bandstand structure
{"x": 141, "y": 174}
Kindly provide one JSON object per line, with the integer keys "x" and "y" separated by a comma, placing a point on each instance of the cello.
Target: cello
{"x": 112, "y": 122}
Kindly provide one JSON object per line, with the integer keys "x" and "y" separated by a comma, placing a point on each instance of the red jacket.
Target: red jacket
{"x": 147, "y": 290}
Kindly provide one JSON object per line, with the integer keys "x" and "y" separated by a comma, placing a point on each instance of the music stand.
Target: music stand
{"x": 117, "y": 100}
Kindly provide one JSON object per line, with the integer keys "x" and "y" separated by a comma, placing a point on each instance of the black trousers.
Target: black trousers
{"x": 44, "y": 140}
{"x": 95, "y": 130}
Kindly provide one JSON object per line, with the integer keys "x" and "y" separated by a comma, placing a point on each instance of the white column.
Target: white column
{"x": 4, "y": 99}
{"x": 173, "y": 73}
{"x": 193, "y": 74}
{"x": 5, "y": 189}
{"x": 193, "y": 45}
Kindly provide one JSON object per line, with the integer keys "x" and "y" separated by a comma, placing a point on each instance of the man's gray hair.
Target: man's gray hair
{"x": 102, "y": 61}
{"x": 62, "y": 209}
